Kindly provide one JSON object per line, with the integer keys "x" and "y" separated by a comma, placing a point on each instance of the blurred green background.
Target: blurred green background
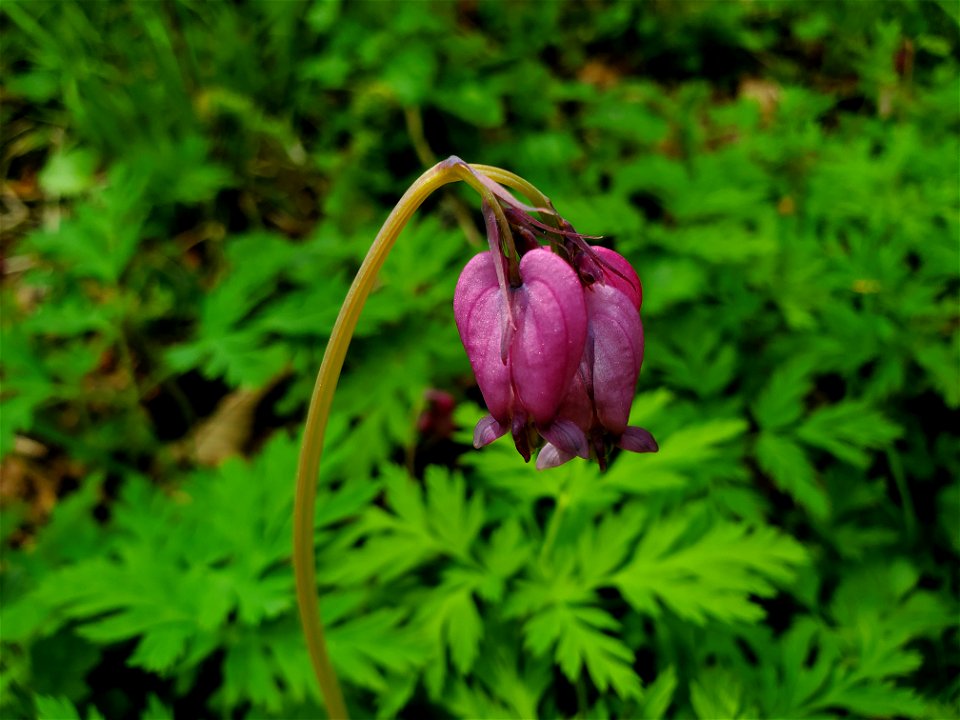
{"x": 189, "y": 187}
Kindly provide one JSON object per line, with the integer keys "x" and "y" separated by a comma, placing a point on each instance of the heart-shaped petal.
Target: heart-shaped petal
{"x": 551, "y": 330}
{"x": 617, "y": 336}
{"x": 478, "y": 308}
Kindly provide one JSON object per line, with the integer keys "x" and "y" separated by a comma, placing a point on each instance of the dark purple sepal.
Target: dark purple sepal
{"x": 566, "y": 436}
{"x": 638, "y": 440}
{"x": 487, "y": 430}
{"x": 521, "y": 435}
{"x": 551, "y": 457}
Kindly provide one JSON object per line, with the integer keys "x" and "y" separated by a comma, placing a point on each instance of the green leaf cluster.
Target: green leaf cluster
{"x": 191, "y": 187}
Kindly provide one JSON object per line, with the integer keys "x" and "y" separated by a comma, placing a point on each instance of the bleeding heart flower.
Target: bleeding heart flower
{"x": 524, "y": 343}
{"x": 601, "y": 393}
{"x": 554, "y": 336}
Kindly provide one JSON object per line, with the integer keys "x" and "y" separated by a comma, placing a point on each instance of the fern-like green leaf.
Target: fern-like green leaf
{"x": 710, "y": 576}
{"x": 581, "y": 640}
{"x": 788, "y": 465}
{"x": 848, "y": 431}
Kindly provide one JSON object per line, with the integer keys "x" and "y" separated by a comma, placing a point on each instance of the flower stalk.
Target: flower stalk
{"x": 304, "y": 561}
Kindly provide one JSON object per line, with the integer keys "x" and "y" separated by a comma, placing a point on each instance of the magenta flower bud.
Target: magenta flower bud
{"x": 524, "y": 345}
{"x": 600, "y": 395}
{"x": 616, "y": 334}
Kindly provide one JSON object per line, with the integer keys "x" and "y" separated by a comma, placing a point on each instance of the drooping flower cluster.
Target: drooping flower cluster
{"x": 554, "y": 336}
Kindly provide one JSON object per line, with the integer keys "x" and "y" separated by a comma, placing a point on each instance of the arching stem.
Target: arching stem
{"x": 304, "y": 561}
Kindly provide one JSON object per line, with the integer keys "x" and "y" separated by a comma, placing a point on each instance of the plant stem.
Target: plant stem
{"x": 505, "y": 177}
{"x": 581, "y": 697}
{"x": 899, "y": 477}
{"x": 304, "y": 561}
{"x": 553, "y": 527}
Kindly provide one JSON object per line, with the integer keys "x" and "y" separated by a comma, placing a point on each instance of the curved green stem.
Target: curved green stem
{"x": 553, "y": 527}
{"x": 505, "y": 177}
{"x": 304, "y": 561}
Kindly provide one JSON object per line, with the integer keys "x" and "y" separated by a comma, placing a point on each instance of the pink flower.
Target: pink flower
{"x": 525, "y": 348}
{"x": 600, "y": 395}
{"x": 553, "y": 335}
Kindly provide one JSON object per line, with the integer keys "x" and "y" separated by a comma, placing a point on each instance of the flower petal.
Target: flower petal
{"x": 577, "y": 405}
{"x": 487, "y": 430}
{"x": 521, "y": 435}
{"x": 564, "y": 435}
{"x": 619, "y": 273}
{"x": 638, "y": 440}
{"x": 617, "y": 336}
{"x": 551, "y": 331}
{"x": 551, "y": 457}
{"x": 478, "y": 309}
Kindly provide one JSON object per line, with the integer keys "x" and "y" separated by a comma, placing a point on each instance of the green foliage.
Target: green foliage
{"x": 193, "y": 185}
